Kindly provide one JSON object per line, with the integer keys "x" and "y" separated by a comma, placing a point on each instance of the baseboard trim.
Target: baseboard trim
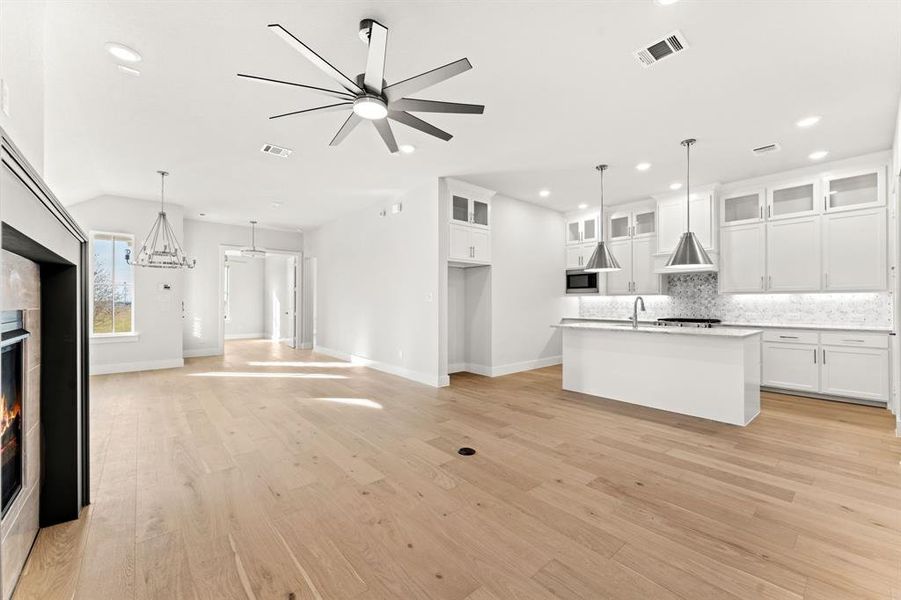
{"x": 424, "y": 378}
{"x": 245, "y": 336}
{"x": 507, "y": 369}
{"x": 145, "y": 365}
{"x": 200, "y": 352}
{"x": 305, "y": 346}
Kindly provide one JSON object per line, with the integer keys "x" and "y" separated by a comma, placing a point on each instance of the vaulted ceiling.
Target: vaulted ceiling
{"x": 562, "y": 91}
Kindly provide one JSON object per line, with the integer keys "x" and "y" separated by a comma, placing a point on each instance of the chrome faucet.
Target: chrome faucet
{"x": 634, "y": 319}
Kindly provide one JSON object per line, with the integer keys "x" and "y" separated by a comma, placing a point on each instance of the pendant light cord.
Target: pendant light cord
{"x": 687, "y": 143}
{"x": 601, "y": 168}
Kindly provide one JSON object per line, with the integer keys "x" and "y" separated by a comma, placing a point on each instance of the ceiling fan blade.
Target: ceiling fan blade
{"x": 317, "y": 60}
{"x": 433, "y": 106}
{"x": 352, "y": 121}
{"x": 387, "y": 135}
{"x": 417, "y": 123}
{"x": 375, "y": 59}
{"x": 326, "y": 108}
{"x": 341, "y": 95}
{"x": 398, "y": 90}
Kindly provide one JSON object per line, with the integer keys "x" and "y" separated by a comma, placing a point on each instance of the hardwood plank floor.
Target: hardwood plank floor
{"x": 279, "y": 474}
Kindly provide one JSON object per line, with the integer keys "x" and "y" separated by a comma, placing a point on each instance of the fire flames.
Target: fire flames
{"x": 9, "y": 415}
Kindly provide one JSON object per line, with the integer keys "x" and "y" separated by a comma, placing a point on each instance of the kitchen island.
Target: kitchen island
{"x": 709, "y": 373}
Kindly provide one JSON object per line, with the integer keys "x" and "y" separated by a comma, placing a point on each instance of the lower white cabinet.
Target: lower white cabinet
{"x": 469, "y": 244}
{"x": 790, "y": 366}
{"x": 846, "y": 364}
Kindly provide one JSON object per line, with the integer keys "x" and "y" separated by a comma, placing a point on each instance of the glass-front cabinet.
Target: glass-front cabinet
{"x": 469, "y": 208}
{"x": 742, "y": 207}
{"x": 851, "y": 190}
{"x": 582, "y": 229}
{"x": 636, "y": 223}
{"x": 794, "y": 199}
{"x": 470, "y": 211}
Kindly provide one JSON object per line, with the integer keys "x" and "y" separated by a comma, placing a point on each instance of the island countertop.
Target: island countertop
{"x": 727, "y": 332}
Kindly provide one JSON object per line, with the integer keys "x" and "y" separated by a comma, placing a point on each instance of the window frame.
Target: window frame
{"x": 92, "y": 235}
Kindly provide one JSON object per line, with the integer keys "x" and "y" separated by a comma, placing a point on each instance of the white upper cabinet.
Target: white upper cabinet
{"x": 793, "y": 255}
{"x": 620, "y": 282}
{"x": 743, "y": 258}
{"x": 582, "y": 229}
{"x": 620, "y": 226}
{"x": 578, "y": 255}
{"x": 644, "y": 279}
{"x": 469, "y": 204}
{"x": 851, "y": 190}
{"x": 855, "y": 250}
{"x": 743, "y": 206}
{"x": 632, "y": 223}
{"x": 793, "y": 199}
{"x": 671, "y": 221}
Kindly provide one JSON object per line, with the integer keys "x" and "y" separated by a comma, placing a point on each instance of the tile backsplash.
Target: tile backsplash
{"x": 695, "y": 295}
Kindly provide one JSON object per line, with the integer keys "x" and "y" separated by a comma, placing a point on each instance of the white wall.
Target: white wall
{"x": 22, "y": 69}
{"x": 245, "y": 298}
{"x": 157, "y": 311}
{"x": 527, "y": 285}
{"x": 469, "y": 314}
{"x": 203, "y": 287}
{"x": 276, "y": 299}
{"x": 377, "y": 286}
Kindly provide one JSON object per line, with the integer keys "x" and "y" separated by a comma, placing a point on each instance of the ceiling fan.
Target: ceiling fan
{"x": 368, "y": 96}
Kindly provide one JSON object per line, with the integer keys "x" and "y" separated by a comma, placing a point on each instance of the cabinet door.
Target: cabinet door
{"x": 854, "y": 189}
{"x": 459, "y": 209}
{"x": 743, "y": 258}
{"x": 574, "y": 257}
{"x": 855, "y": 372}
{"x": 702, "y": 219}
{"x": 670, "y": 223}
{"x": 742, "y": 207}
{"x": 620, "y": 282}
{"x": 480, "y": 240}
{"x": 479, "y": 210}
{"x": 855, "y": 251}
{"x": 791, "y": 366}
{"x": 587, "y": 252}
{"x": 793, "y": 255}
{"x": 574, "y": 231}
{"x": 644, "y": 279}
{"x": 644, "y": 223}
{"x": 794, "y": 199}
{"x": 460, "y": 246}
{"x": 620, "y": 226}
{"x": 589, "y": 229}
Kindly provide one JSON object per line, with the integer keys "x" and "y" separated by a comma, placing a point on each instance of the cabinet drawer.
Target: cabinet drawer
{"x": 794, "y": 336}
{"x": 851, "y": 338}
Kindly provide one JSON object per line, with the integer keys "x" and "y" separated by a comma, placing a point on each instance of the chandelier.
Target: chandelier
{"x": 160, "y": 248}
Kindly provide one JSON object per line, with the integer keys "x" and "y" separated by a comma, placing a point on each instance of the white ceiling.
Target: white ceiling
{"x": 562, "y": 90}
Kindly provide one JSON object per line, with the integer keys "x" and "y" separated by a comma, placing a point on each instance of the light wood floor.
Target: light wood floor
{"x": 319, "y": 481}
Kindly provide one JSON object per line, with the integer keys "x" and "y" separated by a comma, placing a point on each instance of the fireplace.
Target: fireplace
{"x": 12, "y": 440}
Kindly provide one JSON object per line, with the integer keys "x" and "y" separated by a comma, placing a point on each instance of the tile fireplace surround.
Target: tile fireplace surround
{"x": 21, "y": 291}
{"x": 695, "y": 295}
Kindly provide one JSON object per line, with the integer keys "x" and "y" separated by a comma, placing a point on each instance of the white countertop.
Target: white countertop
{"x": 810, "y": 326}
{"x": 730, "y": 332}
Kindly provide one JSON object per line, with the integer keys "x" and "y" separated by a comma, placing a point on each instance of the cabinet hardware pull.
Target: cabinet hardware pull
{"x": 770, "y": 281}
{"x": 858, "y": 341}
{"x": 761, "y": 279}
{"x": 814, "y": 356}
{"x": 788, "y": 337}
{"x": 761, "y": 212}
{"x": 769, "y": 211}
{"x": 824, "y": 356}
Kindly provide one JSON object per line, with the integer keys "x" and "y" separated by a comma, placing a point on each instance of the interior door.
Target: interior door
{"x": 291, "y": 304}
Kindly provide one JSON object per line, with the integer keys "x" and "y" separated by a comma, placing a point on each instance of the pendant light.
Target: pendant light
{"x": 689, "y": 254}
{"x": 602, "y": 261}
{"x": 253, "y": 251}
{"x": 161, "y": 249}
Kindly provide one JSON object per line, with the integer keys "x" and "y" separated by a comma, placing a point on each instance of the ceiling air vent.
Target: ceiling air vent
{"x": 765, "y": 149}
{"x": 670, "y": 44}
{"x": 276, "y": 150}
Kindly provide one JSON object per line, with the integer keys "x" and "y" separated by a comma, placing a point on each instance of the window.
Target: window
{"x": 113, "y": 284}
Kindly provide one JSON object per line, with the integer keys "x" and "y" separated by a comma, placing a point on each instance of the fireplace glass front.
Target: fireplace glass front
{"x": 12, "y": 458}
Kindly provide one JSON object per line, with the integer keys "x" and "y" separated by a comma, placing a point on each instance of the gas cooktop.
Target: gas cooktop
{"x": 687, "y": 322}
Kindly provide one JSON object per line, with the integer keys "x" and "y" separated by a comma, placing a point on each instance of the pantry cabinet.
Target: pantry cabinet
{"x": 469, "y": 244}
{"x": 469, "y": 218}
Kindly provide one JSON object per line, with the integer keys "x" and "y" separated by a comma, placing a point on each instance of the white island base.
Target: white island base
{"x": 708, "y": 373}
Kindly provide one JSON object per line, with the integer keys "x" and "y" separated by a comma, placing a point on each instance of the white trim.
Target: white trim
{"x": 91, "y": 235}
{"x": 112, "y": 338}
{"x": 417, "y": 376}
{"x": 146, "y": 365}
{"x": 507, "y": 369}
{"x": 198, "y": 352}
{"x": 305, "y": 346}
{"x": 245, "y": 336}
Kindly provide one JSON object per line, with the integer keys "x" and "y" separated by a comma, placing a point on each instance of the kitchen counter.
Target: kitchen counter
{"x": 806, "y": 326}
{"x": 709, "y": 373}
{"x": 644, "y": 327}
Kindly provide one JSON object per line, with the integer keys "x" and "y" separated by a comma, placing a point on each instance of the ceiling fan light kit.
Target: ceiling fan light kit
{"x": 368, "y": 97}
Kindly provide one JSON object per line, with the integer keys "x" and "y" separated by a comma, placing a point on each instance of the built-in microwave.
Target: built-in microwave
{"x": 581, "y": 282}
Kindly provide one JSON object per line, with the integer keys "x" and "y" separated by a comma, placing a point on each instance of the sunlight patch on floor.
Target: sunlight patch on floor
{"x": 268, "y": 375}
{"x": 299, "y": 363}
{"x": 352, "y": 401}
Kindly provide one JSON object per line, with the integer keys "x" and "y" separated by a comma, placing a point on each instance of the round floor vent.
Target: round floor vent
{"x": 466, "y": 451}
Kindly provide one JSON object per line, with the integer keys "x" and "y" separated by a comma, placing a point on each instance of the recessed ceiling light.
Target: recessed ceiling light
{"x": 544, "y": 193}
{"x": 675, "y": 186}
{"x": 808, "y": 121}
{"x": 407, "y": 148}
{"x": 129, "y": 71}
{"x": 583, "y": 206}
{"x": 276, "y": 204}
{"x": 643, "y": 166}
{"x": 818, "y": 155}
{"x": 122, "y": 52}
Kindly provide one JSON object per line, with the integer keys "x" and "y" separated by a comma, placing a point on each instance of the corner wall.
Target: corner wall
{"x": 377, "y": 286}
